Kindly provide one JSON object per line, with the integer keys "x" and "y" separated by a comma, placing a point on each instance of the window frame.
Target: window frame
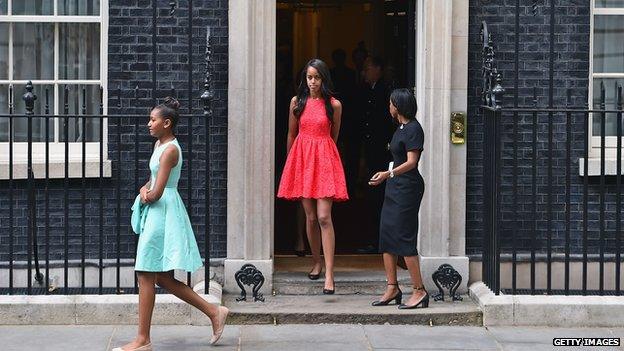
{"x": 595, "y": 141}
{"x": 56, "y": 146}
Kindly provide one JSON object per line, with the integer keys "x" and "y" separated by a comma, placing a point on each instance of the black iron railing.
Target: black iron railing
{"x": 129, "y": 159}
{"x": 79, "y": 220}
{"x": 542, "y": 203}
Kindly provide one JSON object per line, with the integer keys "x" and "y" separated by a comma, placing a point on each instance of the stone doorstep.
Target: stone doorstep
{"x": 101, "y": 309}
{"x": 347, "y": 309}
{"x": 347, "y": 283}
{"x": 548, "y": 310}
{"x": 358, "y": 281}
{"x": 367, "y": 282}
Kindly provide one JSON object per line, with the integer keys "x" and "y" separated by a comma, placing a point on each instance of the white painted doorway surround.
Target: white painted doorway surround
{"x": 442, "y": 80}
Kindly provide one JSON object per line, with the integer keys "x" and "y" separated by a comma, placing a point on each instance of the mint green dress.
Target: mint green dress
{"x": 166, "y": 239}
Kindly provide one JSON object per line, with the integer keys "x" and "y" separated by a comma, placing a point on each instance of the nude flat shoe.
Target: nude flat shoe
{"x": 147, "y": 347}
{"x": 221, "y": 318}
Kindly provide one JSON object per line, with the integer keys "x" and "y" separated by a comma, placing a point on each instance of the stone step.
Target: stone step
{"x": 347, "y": 283}
{"x": 348, "y": 309}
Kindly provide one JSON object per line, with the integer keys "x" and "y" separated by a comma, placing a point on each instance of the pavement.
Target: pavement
{"x": 299, "y": 337}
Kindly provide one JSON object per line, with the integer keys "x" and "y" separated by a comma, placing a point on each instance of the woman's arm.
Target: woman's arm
{"x": 335, "y": 130}
{"x": 293, "y": 125}
{"x": 412, "y": 160}
{"x": 144, "y": 190}
{"x": 168, "y": 160}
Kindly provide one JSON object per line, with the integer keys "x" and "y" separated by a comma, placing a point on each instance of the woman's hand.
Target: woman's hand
{"x": 144, "y": 190}
{"x": 379, "y": 178}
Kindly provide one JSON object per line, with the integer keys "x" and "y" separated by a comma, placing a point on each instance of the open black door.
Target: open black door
{"x": 411, "y": 44}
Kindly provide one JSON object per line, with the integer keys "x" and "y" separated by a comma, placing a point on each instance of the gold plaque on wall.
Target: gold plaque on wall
{"x": 458, "y": 127}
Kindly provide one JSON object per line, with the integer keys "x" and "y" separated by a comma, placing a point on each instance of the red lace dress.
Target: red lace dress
{"x": 313, "y": 169}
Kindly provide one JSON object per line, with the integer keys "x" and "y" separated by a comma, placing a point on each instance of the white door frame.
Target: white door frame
{"x": 442, "y": 70}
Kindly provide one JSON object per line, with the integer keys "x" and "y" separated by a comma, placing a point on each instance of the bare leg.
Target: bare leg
{"x": 299, "y": 241}
{"x": 413, "y": 265}
{"x": 324, "y": 207}
{"x": 186, "y": 294}
{"x": 314, "y": 234}
{"x": 390, "y": 261}
{"x": 147, "y": 296}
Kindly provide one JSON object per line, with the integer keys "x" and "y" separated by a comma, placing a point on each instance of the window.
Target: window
{"x": 607, "y": 64}
{"x": 55, "y": 44}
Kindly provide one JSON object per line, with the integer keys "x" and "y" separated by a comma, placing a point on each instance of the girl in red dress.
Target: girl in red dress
{"x": 313, "y": 171}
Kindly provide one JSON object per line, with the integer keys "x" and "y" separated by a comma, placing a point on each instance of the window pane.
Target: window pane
{"x": 79, "y": 7}
{"x": 33, "y": 51}
{"x": 609, "y": 3}
{"x": 20, "y": 124}
{"x": 4, "y": 109}
{"x": 74, "y": 127}
{"x": 4, "y": 51}
{"x": 79, "y": 51}
{"x": 609, "y": 44}
{"x": 33, "y": 7}
{"x": 3, "y": 7}
{"x": 611, "y": 103}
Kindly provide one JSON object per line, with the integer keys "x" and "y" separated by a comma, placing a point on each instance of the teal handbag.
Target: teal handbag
{"x": 139, "y": 214}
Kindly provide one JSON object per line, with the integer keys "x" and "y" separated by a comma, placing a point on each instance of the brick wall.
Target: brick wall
{"x": 129, "y": 66}
{"x": 571, "y": 71}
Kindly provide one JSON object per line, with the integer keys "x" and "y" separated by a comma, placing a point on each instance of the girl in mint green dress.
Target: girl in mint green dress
{"x": 166, "y": 239}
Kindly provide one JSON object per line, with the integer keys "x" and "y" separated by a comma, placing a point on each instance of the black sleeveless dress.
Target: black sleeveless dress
{"x": 398, "y": 228}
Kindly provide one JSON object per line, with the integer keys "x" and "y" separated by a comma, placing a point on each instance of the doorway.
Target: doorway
{"x": 324, "y": 29}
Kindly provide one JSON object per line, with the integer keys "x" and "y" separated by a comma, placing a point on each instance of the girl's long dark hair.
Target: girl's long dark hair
{"x": 327, "y": 87}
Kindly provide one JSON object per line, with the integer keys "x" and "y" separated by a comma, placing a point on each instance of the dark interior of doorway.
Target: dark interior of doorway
{"x": 308, "y": 29}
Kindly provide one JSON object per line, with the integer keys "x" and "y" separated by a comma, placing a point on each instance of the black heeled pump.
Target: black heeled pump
{"x": 424, "y": 302}
{"x": 397, "y": 298}
{"x": 315, "y": 276}
{"x": 330, "y": 291}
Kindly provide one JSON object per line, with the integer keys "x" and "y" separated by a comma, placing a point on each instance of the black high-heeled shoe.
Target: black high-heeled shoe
{"x": 329, "y": 291}
{"x": 424, "y": 302}
{"x": 315, "y": 276}
{"x": 397, "y": 298}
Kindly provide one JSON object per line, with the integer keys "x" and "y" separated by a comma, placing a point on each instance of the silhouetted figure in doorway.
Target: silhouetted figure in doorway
{"x": 376, "y": 130}
{"x": 345, "y": 91}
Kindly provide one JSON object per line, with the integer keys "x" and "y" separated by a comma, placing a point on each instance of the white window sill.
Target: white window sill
{"x": 56, "y": 169}
{"x": 593, "y": 167}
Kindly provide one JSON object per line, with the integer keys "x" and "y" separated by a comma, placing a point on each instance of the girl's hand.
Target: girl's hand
{"x": 378, "y": 178}
{"x": 143, "y": 193}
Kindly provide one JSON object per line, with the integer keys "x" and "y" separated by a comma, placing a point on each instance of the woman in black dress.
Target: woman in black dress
{"x": 398, "y": 229}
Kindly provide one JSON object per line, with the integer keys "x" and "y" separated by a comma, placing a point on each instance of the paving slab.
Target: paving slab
{"x": 180, "y": 337}
{"x": 434, "y": 338}
{"x": 348, "y": 309}
{"x": 536, "y": 338}
{"x": 55, "y": 337}
{"x": 296, "y": 337}
{"x": 314, "y": 337}
{"x": 540, "y": 347}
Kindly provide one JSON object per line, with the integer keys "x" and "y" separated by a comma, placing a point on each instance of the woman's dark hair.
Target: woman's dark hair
{"x": 327, "y": 87}
{"x": 405, "y": 102}
{"x": 169, "y": 110}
